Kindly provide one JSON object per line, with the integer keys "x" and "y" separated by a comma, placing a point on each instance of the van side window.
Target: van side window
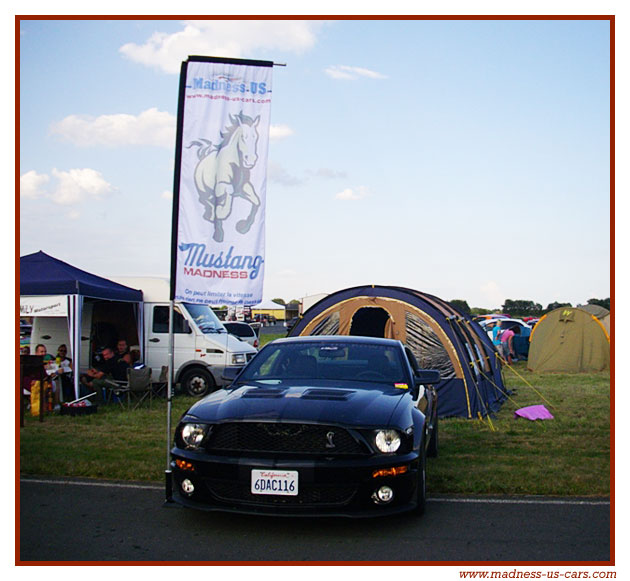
{"x": 160, "y": 321}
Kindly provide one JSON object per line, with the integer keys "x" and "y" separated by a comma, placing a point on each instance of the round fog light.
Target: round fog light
{"x": 383, "y": 495}
{"x": 187, "y": 487}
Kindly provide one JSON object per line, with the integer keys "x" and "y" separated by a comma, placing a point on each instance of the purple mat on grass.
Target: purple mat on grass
{"x": 534, "y": 412}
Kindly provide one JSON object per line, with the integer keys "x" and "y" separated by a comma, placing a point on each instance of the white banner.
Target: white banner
{"x": 220, "y": 244}
{"x": 44, "y": 306}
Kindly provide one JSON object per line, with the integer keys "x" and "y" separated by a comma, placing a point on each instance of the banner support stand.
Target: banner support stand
{"x": 168, "y": 476}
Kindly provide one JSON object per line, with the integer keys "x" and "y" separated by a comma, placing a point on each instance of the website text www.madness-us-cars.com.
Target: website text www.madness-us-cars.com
{"x": 537, "y": 574}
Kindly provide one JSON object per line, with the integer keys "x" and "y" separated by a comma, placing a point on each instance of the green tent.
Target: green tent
{"x": 571, "y": 339}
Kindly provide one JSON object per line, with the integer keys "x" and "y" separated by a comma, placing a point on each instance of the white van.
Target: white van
{"x": 202, "y": 346}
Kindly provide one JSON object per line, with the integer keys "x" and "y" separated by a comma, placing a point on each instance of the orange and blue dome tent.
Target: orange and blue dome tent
{"x": 440, "y": 337}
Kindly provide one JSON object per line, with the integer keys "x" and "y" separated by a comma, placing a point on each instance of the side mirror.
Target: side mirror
{"x": 427, "y": 376}
{"x": 230, "y": 373}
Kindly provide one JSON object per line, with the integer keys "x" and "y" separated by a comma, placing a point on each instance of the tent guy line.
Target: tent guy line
{"x": 451, "y": 500}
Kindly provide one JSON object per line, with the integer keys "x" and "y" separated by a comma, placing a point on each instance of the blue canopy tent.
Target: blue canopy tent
{"x": 439, "y": 335}
{"x": 66, "y": 287}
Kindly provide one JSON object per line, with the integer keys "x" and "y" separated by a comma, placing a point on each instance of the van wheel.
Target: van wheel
{"x": 197, "y": 382}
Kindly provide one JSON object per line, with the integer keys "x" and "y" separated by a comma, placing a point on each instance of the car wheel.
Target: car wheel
{"x": 197, "y": 382}
{"x": 432, "y": 450}
{"x": 421, "y": 492}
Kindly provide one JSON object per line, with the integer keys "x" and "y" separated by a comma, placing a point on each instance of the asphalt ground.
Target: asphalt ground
{"x": 108, "y": 522}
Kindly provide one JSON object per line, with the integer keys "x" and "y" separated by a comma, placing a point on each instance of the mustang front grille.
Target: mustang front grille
{"x": 262, "y": 437}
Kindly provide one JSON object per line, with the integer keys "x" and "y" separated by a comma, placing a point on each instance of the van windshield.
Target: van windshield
{"x": 205, "y": 318}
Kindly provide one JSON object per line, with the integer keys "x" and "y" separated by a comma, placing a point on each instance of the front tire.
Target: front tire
{"x": 197, "y": 382}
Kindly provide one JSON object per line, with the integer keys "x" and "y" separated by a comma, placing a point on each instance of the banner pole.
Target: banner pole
{"x": 174, "y": 226}
{"x": 169, "y": 405}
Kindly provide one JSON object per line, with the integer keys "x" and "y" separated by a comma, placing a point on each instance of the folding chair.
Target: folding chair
{"x": 116, "y": 390}
{"x": 139, "y": 385}
{"x": 159, "y": 387}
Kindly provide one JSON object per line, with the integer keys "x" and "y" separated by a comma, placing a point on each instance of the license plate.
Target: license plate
{"x": 276, "y": 482}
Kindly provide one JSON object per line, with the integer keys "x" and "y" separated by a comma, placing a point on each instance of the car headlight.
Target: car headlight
{"x": 387, "y": 441}
{"x": 238, "y": 359}
{"x": 193, "y": 435}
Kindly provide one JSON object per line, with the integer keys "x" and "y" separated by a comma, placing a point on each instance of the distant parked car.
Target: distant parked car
{"x": 291, "y": 323}
{"x": 244, "y": 332}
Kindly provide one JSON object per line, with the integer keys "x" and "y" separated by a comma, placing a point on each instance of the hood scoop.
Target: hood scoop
{"x": 328, "y": 394}
{"x": 264, "y": 393}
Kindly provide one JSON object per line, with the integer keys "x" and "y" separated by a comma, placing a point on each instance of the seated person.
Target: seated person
{"x": 123, "y": 352}
{"x": 64, "y": 373}
{"x": 49, "y": 385}
{"x": 41, "y": 350}
{"x": 100, "y": 377}
{"x": 62, "y": 353}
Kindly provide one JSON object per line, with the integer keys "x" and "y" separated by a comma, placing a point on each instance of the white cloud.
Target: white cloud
{"x": 32, "y": 183}
{"x": 350, "y": 194}
{"x": 227, "y": 38}
{"x": 347, "y": 73}
{"x": 279, "y": 175}
{"x": 327, "y": 173}
{"x": 167, "y": 195}
{"x": 277, "y": 132}
{"x": 76, "y": 185}
{"x": 151, "y": 127}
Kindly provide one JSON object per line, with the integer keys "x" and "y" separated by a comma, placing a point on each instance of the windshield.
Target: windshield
{"x": 205, "y": 318}
{"x": 327, "y": 360}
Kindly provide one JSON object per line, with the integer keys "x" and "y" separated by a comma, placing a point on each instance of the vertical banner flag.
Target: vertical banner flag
{"x": 218, "y": 251}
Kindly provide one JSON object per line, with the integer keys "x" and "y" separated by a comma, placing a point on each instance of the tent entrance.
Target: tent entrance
{"x": 369, "y": 322}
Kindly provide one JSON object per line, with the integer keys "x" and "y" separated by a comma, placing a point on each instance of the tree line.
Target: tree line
{"x": 522, "y": 308}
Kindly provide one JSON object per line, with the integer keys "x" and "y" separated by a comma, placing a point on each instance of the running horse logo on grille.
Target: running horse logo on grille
{"x": 222, "y": 173}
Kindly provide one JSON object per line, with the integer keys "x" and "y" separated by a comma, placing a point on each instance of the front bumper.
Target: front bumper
{"x": 327, "y": 487}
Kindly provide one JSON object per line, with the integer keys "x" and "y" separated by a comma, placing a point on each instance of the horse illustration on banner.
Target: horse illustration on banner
{"x": 222, "y": 173}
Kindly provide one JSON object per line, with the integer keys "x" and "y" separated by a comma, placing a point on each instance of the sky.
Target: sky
{"x": 468, "y": 159}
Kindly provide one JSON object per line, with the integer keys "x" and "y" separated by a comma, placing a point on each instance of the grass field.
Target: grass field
{"x": 569, "y": 455}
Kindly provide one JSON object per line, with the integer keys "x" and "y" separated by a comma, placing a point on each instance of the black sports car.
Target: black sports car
{"x": 312, "y": 426}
